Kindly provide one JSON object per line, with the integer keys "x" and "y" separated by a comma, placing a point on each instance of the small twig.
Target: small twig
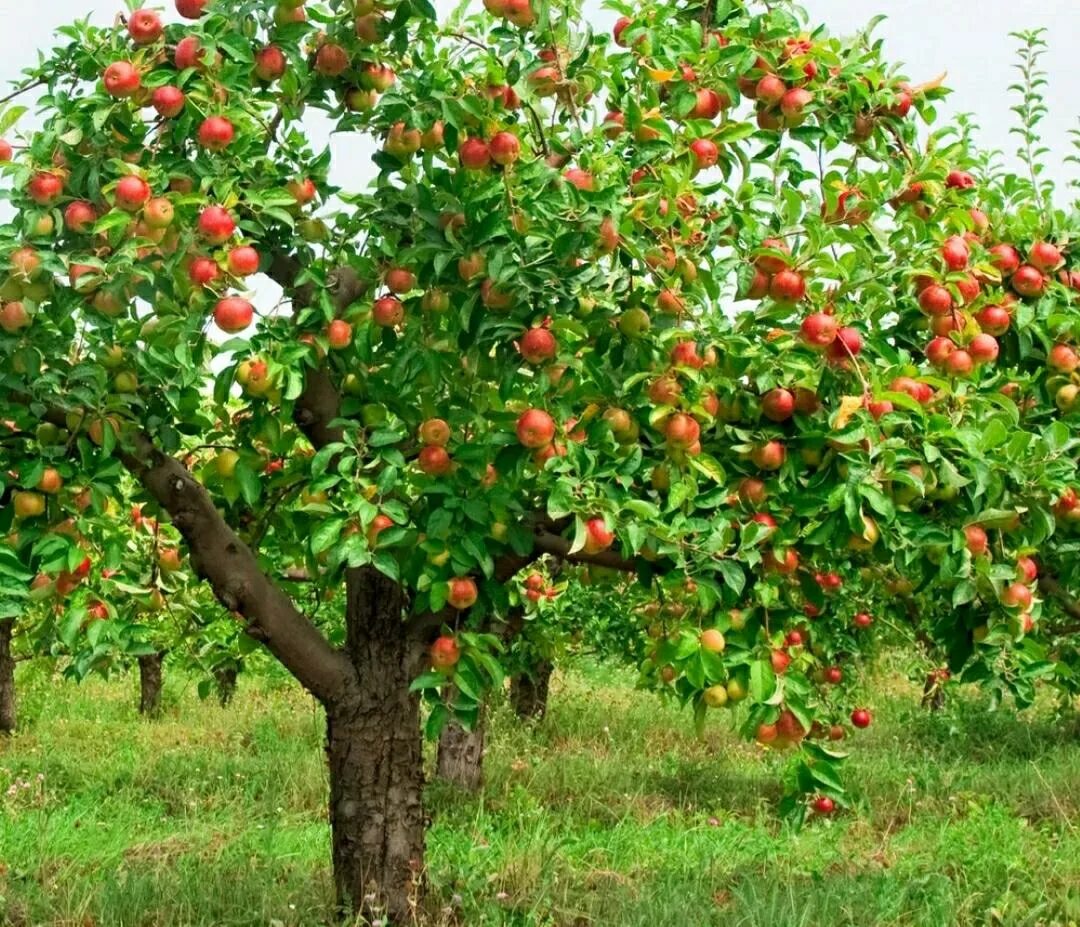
{"x": 538, "y": 127}
{"x": 24, "y": 89}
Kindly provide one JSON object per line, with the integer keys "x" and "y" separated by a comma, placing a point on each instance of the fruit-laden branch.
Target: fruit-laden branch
{"x": 221, "y": 558}
{"x": 1068, "y": 603}
{"x": 318, "y": 404}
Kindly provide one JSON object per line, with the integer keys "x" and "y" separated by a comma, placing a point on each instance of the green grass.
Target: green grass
{"x": 609, "y": 813}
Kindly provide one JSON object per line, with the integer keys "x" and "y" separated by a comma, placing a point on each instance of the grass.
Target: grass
{"x": 609, "y": 813}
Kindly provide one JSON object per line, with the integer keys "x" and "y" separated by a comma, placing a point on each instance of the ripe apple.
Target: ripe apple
{"x": 793, "y": 105}
{"x": 132, "y": 193}
{"x": 938, "y": 350}
{"x": 45, "y": 188}
{"x": 824, "y": 805}
{"x": 121, "y": 79}
{"x": 6, "y": 151}
{"x": 778, "y": 404}
{"x": 788, "y": 286}
{"x": 339, "y": 334}
{"x": 818, "y": 330}
{"x": 474, "y": 154}
{"x": 331, "y": 60}
{"x": 80, "y": 216}
{"x": 1063, "y": 358}
{"x": 1045, "y": 256}
{"x": 1016, "y": 595}
{"x": 994, "y": 320}
{"x": 203, "y": 271}
{"x": 936, "y": 300}
{"x": 705, "y": 153}
{"x": 158, "y": 213}
{"x": 681, "y": 431}
{"x": 435, "y": 301}
{"x": 216, "y": 133}
{"x": 168, "y": 101}
{"x": 216, "y": 225}
{"x": 770, "y": 90}
{"x": 434, "y": 460}
{"x": 388, "y": 312}
{"x": 191, "y": 9}
{"x": 233, "y": 314}
{"x": 169, "y": 559}
{"x": 144, "y": 27}
{"x": 977, "y": 542}
{"x": 860, "y": 718}
{"x": 244, "y": 261}
{"x": 983, "y": 349}
{"x": 535, "y": 429}
{"x": 834, "y": 675}
{"x": 444, "y": 653}
{"x": 14, "y": 317}
{"x": 597, "y": 536}
{"x": 1029, "y": 281}
{"x": 270, "y": 63}
{"x": 862, "y": 621}
{"x": 769, "y": 456}
{"x": 784, "y": 564}
{"x": 378, "y": 525}
{"x": 1005, "y": 258}
{"x": 959, "y": 180}
{"x": 1027, "y": 569}
{"x": 955, "y": 253}
{"x": 189, "y": 53}
{"x": 462, "y": 593}
{"x": 708, "y": 104}
{"x": 959, "y": 363}
{"x": 780, "y": 660}
{"x": 538, "y": 346}
{"x": 504, "y": 148}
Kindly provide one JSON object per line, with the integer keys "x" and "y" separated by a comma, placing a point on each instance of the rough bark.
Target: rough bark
{"x": 150, "y": 684}
{"x": 933, "y": 696}
{"x": 225, "y": 678}
{"x": 529, "y": 691}
{"x": 375, "y": 757}
{"x": 7, "y": 678}
{"x": 461, "y": 754}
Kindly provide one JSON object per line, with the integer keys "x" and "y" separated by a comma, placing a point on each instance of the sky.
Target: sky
{"x": 968, "y": 38}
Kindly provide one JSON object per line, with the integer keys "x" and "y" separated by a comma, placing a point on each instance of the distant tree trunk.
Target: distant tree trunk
{"x": 225, "y": 677}
{"x": 7, "y": 678}
{"x": 374, "y": 748}
{"x": 529, "y": 690}
{"x": 461, "y": 754}
{"x": 150, "y": 684}
{"x": 933, "y": 697}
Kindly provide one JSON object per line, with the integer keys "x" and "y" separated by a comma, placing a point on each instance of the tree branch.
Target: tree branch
{"x": 318, "y": 405}
{"x": 221, "y": 558}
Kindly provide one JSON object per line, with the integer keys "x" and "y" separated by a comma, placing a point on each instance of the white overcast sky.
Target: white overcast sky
{"x": 968, "y": 38}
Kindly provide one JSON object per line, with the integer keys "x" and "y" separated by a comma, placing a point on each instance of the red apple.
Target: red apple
{"x": 233, "y": 314}
{"x": 144, "y": 27}
{"x": 121, "y": 79}
{"x": 444, "y": 652}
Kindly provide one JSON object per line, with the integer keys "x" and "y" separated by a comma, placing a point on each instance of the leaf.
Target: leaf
{"x": 762, "y": 681}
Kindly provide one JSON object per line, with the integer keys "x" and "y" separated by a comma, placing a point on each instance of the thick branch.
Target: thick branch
{"x": 318, "y": 405}
{"x": 221, "y": 558}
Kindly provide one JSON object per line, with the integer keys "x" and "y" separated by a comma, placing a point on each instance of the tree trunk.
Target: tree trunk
{"x": 933, "y": 697}
{"x": 150, "y": 684}
{"x": 7, "y": 678}
{"x": 529, "y": 690}
{"x": 375, "y": 756}
{"x": 225, "y": 677}
{"x": 461, "y": 754}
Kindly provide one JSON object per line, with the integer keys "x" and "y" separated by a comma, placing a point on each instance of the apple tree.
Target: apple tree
{"x": 525, "y": 339}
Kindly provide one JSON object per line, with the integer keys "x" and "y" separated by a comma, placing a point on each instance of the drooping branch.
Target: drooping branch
{"x": 220, "y": 557}
{"x": 223, "y": 560}
{"x": 1068, "y": 603}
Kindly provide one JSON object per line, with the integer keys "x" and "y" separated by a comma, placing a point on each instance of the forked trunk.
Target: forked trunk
{"x": 150, "y": 684}
{"x": 7, "y": 677}
{"x": 461, "y": 754}
{"x": 225, "y": 679}
{"x": 376, "y": 763}
{"x": 529, "y": 690}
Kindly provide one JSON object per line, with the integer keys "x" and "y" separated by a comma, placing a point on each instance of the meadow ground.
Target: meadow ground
{"x": 611, "y": 812}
